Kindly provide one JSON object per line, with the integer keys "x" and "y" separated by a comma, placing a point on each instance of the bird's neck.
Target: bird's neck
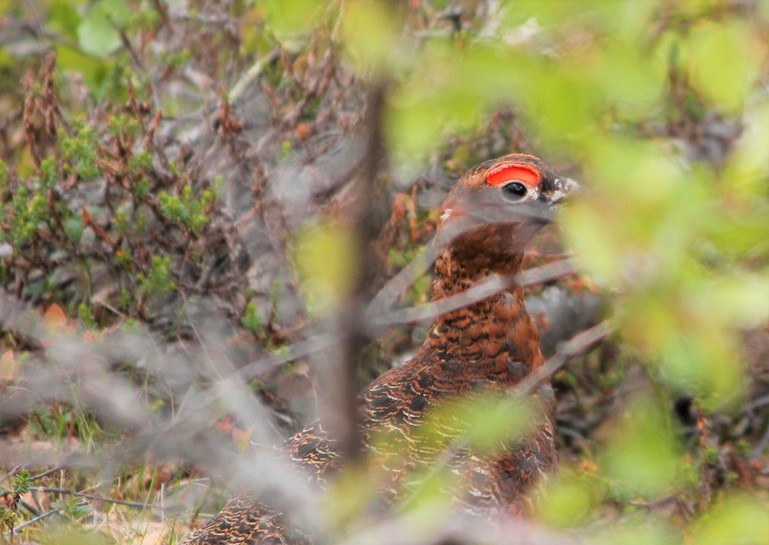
{"x": 496, "y": 332}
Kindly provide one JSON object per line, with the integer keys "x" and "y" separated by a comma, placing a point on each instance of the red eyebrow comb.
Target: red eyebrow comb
{"x": 515, "y": 171}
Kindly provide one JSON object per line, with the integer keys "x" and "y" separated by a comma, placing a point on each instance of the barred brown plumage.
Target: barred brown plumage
{"x": 485, "y": 347}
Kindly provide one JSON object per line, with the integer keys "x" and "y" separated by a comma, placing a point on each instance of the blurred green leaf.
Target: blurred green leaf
{"x": 371, "y": 34}
{"x": 94, "y": 70}
{"x": 735, "y": 520}
{"x": 449, "y": 92}
{"x": 741, "y": 300}
{"x": 60, "y": 534}
{"x": 559, "y": 13}
{"x": 486, "y": 422}
{"x": 568, "y": 498}
{"x": 64, "y": 17}
{"x": 98, "y": 32}
{"x": 724, "y": 59}
{"x": 626, "y": 81}
{"x": 642, "y": 457}
{"x": 746, "y": 171}
{"x": 291, "y": 18}
{"x": 704, "y": 360}
{"x": 325, "y": 257}
{"x": 351, "y": 494}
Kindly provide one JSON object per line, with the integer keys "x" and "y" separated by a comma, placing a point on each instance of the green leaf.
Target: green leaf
{"x": 325, "y": 258}
{"x": 98, "y": 32}
{"x": 737, "y": 519}
{"x": 744, "y": 175}
{"x": 73, "y": 226}
{"x": 643, "y": 456}
{"x": 370, "y": 33}
{"x": 292, "y": 17}
{"x": 64, "y": 17}
{"x": 568, "y": 498}
{"x": 93, "y": 70}
{"x": 724, "y": 60}
{"x": 703, "y": 360}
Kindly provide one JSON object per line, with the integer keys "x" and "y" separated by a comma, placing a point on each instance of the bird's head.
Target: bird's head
{"x": 495, "y": 209}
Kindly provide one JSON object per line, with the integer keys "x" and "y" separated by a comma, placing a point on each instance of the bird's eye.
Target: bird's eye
{"x": 514, "y": 191}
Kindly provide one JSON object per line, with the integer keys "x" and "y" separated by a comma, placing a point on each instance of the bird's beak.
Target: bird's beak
{"x": 564, "y": 188}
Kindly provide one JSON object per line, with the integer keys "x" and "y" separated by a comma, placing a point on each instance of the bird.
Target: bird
{"x": 486, "y": 347}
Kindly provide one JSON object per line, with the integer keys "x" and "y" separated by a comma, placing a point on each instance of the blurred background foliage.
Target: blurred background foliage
{"x": 144, "y": 142}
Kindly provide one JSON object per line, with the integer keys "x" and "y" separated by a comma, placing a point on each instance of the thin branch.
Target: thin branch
{"x": 377, "y": 316}
{"x": 761, "y": 446}
{"x": 487, "y": 287}
{"x": 250, "y": 75}
{"x": 93, "y": 497}
{"x": 482, "y": 213}
{"x": 578, "y": 344}
{"x": 30, "y": 522}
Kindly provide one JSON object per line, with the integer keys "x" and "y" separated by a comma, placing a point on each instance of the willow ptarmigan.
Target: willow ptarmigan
{"x": 488, "y": 346}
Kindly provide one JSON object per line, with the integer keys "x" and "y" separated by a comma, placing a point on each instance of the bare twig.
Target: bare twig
{"x": 250, "y": 75}
{"x": 93, "y": 497}
{"x": 482, "y": 213}
{"x": 377, "y": 316}
{"x": 761, "y": 446}
{"x": 575, "y": 346}
{"x": 30, "y": 522}
{"x": 487, "y": 287}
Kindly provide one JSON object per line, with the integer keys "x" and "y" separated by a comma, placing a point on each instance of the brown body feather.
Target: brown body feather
{"x": 486, "y": 347}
